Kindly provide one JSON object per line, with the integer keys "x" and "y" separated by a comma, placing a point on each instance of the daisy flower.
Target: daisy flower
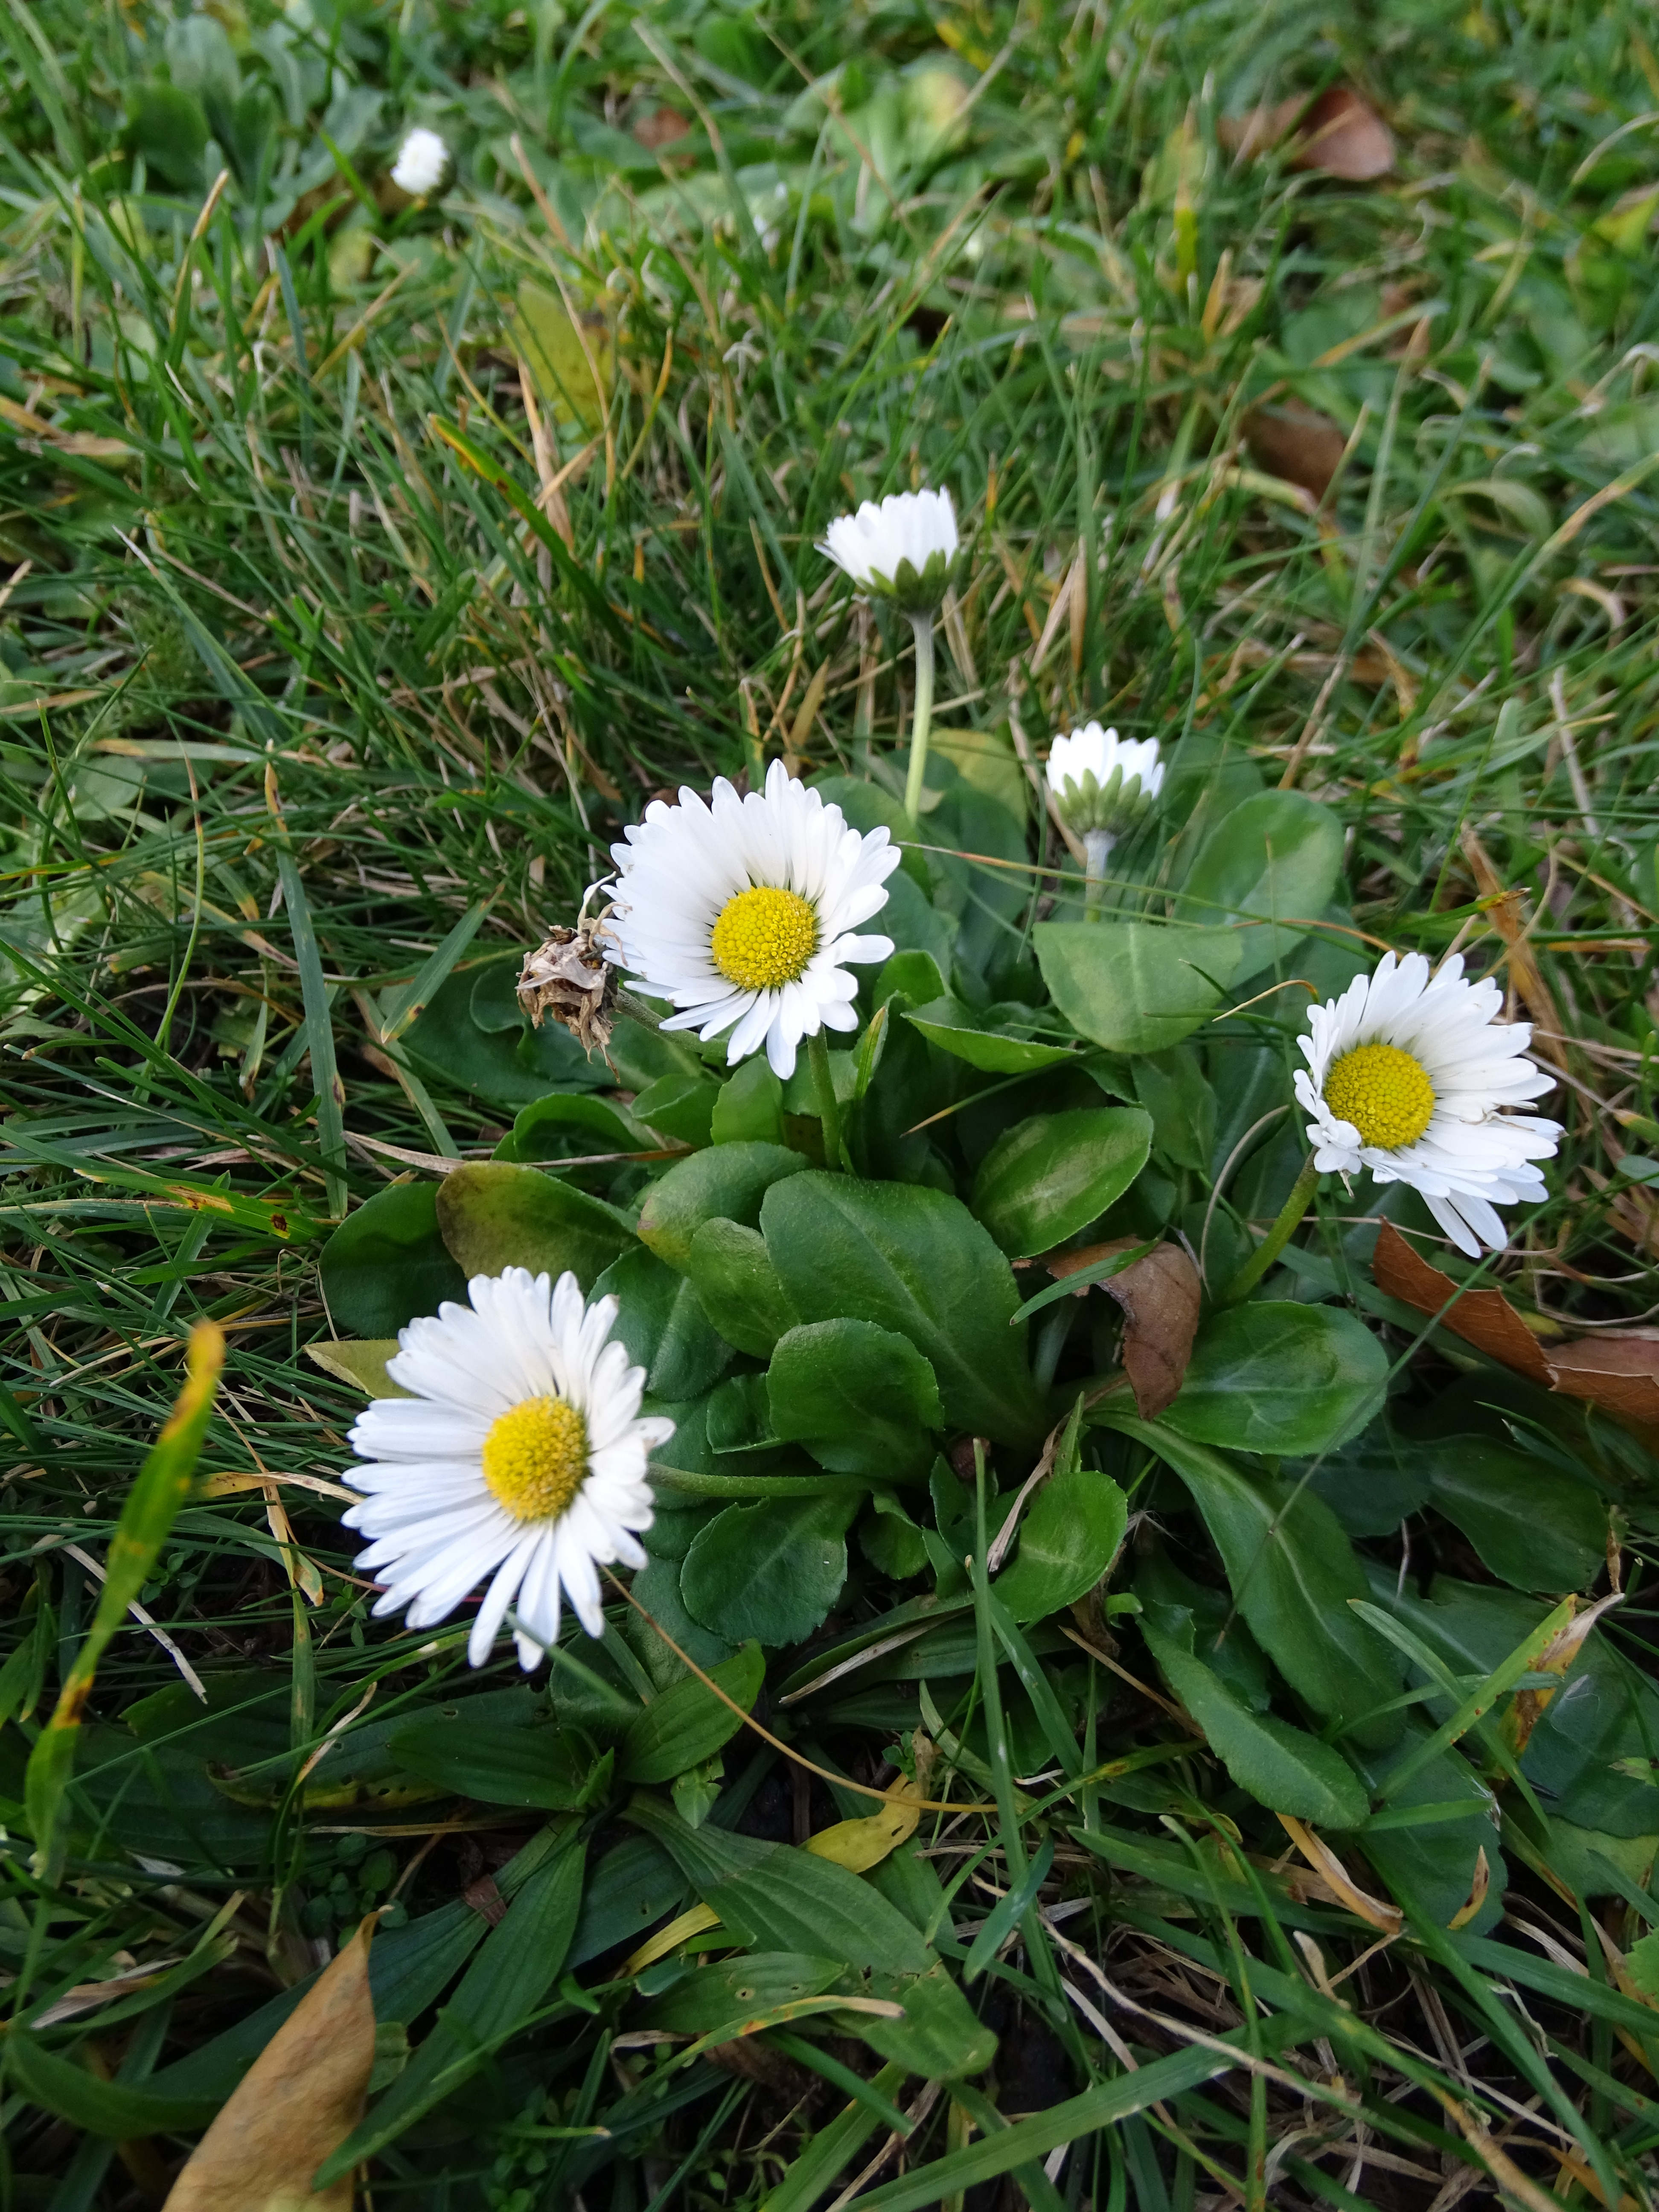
{"x": 741, "y": 913}
{"x": 1101, "y": 780}
{"x": 903, "y": 549}
{"x": 1412, "y": 1076}
{"x": 519, "y": 1456}
{"x": 422, "y": 164}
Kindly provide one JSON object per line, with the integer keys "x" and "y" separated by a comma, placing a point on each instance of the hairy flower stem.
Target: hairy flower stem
{"x": 823, "y": 1083}
{"x": 921, "y": 719}
{"x": 1096, "y": 852}
{"x": 1289, "y": 1214}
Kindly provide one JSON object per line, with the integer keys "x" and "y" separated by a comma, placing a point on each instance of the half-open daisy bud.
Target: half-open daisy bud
{"x": 1102, "y": 781}
{"x": 1412, "y": 1076}
{"x": 422, "y": 165}
{"x": 518, "y": 1457}
{"x": 905, "y": 550}
{"x": 743, "y": 914}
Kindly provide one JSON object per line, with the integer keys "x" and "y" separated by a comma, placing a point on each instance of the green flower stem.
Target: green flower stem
{"x": 1096, "y": 852}
{"x": 824, "y": 1082}
{"x": 1276, "y": 1239}
{"x": 921, "y": 720}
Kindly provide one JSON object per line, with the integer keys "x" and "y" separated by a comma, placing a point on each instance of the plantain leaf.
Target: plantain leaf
{"x": 686, "y": 1724}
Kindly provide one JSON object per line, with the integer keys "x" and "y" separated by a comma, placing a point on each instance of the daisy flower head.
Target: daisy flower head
{"x": 1414, "y": 1076}
{"x": 519, "y": 1458}
{"x": 422, "y": 165}
{"x": 1102, "y": 781}
{"x": 744, "y": 913}
{"x": 905, "y": 550}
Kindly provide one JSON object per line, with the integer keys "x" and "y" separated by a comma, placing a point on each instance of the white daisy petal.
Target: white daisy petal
{"x": 743, "y": 914}
{"x": 1423, "y": 1102}
{"x": 520, "y": 1460}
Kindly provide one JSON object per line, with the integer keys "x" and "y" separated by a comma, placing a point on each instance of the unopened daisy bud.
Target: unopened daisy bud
{"x": 1414, "y": 1076}
{"x": 1100, "y": 783}
{"x": 422, "y": 165}
{"x": 904, "y": 550}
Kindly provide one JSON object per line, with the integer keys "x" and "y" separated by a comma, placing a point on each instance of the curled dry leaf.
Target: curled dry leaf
{"x": 299, "y": 2100}
{"x": 1340, "y": 134}
{"x": 1160, "y": 1297}
{"x": 1296, "y": 444}
{"x": 1528, "y": 1706}
{"x": 860, "y": 1844}
{"x": 1619, "y": 1374}
{"x": 1478, "y": 1888}
{"x": 1336, "y": 1878}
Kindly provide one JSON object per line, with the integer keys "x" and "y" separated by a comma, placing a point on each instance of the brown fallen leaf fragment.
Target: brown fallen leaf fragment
{"x": 1340, "y": 134}
{"x": 1296, "y": 444}
{"x": 661, "y": 128}
{"x": 1484, "y": 1319}
{"x": 1160, "y": 1297}
{"x": 1343, "y": 135}
{"x": 1619, "y": 1373}
{"x": 299, "y": 2101}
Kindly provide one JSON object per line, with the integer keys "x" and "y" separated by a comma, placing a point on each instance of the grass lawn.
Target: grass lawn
{"x": 367, "y": 565}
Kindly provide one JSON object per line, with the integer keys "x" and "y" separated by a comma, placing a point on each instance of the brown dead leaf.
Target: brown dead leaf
{"x": 661, "y": 128}
{"x": 1484, "y": 1319}
{"x": 299, "y": 2101}
{"x": 1340, "y": 134}
{"x": 1619, "y": 1373}
{"x": 1296, "y": 444}
{"x": 1343, "y": 135}
{"x": 1159, "y": 1295}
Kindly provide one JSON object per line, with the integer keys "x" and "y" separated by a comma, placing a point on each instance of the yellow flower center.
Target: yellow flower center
{"x": 535, "y": 1458}
{"x": 1384, "y": 1092}
{"x": 764, "y": 938}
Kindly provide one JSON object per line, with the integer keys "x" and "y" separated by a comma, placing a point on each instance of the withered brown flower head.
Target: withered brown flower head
{"x": 569, "y": 976}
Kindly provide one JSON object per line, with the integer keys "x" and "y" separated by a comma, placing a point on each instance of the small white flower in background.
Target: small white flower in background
{"x": 905, "y": 548}
{"x": 1410, "y": 1076}
{"x": 421, "y": 164}
{"x": 1102, "y": 781}
{"x": 740, "y": 912}
{"x": 519, "y": 1456}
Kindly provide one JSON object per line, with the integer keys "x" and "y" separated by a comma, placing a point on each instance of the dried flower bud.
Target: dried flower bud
{"x": 570, "y": 977}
